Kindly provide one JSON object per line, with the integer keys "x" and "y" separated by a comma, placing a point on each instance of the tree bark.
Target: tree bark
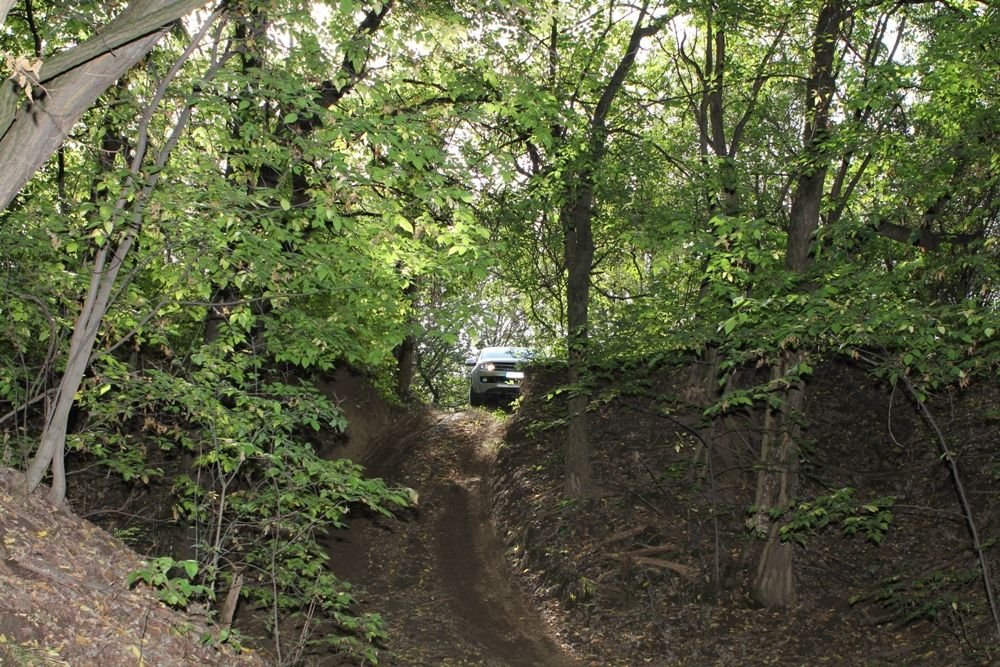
{"x": 71, "y": 82}
{"x": 777, "y": 480}
{"x": 405, "y": 367}
{"x": 579, "y": 258}
{"x": 808, "y": 198}
{"x": 5, "y": 6}
{"x": 51, "y": 446}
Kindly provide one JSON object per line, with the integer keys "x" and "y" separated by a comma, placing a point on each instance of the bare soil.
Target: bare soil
{"x": 439, "y": 578}
{"x": 655, "y": 569}
{"x": 437, "y": 575}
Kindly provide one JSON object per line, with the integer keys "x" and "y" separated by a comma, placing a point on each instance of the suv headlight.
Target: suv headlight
{"x": 488, "y": 366}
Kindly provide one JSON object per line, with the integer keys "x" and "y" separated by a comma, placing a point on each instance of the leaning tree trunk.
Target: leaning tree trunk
{"x": 5, "y": 6}
{"x": 107, "y": 264}
{"x": 53, "y": 440}
{"x": 72, "y": 80}
{"x": 777, "y": 474}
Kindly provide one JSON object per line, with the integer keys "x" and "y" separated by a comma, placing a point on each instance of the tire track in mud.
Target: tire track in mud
{"x": 440, "y": 580}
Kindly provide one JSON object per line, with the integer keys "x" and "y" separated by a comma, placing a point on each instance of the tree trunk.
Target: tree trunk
{"x": 578, "y": 253}
{"x": 777, "y": 479}
{"x": 579, "y": 258}
{"x": 102, "y": 285}
{"x": 53, "y": 440}
{"x": 405, "y": 367}
{"x": 703, "y": 387}
{"x": 777, "y": 475}
{"x": 5, "y": 6}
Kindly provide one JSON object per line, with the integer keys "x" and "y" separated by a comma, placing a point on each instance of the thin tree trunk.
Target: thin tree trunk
{"x": 579, "y": 258}
{"x": 102, "y": 284}
{"x": 578, "y": 253}
{"x": 51, "y": 446}
{"x": 405, "y": 352}
{"x": 405, "y": 367}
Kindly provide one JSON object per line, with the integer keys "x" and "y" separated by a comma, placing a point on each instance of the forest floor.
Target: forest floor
{"x": 656, "y": 568}
{"x": 436, "y": 575}
{"x": 65, "y": 597}
{"x": 497, "y": 568}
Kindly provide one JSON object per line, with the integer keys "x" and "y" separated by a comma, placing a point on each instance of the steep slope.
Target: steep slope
{"x": 655, "y": 570}
{"x": 65, "y": 600}
{"x": 651, "y": 572}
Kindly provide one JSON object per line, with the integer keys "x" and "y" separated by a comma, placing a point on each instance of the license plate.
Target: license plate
{"x": 515, "y": 375}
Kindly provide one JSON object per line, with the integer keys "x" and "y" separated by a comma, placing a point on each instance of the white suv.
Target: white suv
{"x": 497, "y": 373}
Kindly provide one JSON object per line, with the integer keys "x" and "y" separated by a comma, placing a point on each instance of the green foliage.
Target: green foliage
{"x": 282, "y": 238}
{"x": 255, "y": 490}
{"x": 132, "y": 535}
{"x": 230, "y": 636}
{"x": 909, "y": 599}
{"x": 340, "y": 190}
{"x": 855, "y": 517}
{"x": 172, "y": 580}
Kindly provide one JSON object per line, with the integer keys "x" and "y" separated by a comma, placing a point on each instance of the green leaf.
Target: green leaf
{"x": 190, "y": 567}
{"x": 403, "y": 224}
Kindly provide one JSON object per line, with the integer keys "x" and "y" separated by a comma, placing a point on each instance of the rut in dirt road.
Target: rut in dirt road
{"x": 440, "y": 580}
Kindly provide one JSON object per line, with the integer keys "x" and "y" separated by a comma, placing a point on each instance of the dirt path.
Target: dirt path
{"x": 439, "y": 579}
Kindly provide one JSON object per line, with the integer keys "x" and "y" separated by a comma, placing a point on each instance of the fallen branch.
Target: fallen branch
{"x": 678, "y": 568}
{"x": 652, "y": 551}
{"x": 977, "y": 544}
{"x": 623, "y": 535}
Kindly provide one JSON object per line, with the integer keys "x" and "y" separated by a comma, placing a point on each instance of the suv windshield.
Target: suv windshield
{"x": 491, "y": 353}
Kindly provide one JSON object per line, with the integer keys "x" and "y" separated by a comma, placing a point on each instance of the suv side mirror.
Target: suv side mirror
{"x": 471, "y": 361}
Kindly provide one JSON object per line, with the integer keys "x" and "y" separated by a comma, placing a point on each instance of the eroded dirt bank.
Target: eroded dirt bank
{"x": 65, "y": 598}
{"x": 439, "y": 579}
